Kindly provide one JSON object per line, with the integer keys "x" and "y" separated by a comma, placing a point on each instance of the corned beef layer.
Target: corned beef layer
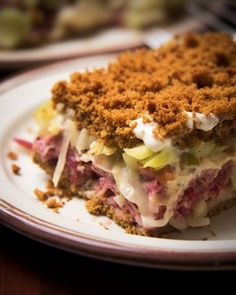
{"x": 77, "y": 173}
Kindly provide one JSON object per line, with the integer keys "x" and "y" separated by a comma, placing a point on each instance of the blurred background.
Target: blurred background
{"x": 33, "y": 32}
{"x": 29, "y": 23}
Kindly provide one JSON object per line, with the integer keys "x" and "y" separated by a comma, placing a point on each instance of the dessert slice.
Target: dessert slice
{"x": 150, "y": 141}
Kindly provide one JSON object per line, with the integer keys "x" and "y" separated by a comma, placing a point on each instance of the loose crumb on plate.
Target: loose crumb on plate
{"x": 42, "y": 196}
{"x": 15, "y": 169}
{"x": 53, "y": 203}
{"x": 50, "y": 198}
{"x": 12, "y": 155}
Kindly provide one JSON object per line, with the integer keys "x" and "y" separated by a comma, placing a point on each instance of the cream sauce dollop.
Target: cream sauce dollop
{"x": 201, "y": 121}
{"x": 144, "y": 131}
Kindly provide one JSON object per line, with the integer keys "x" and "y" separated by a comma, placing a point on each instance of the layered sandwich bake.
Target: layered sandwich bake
{"x": 150, "y": 140}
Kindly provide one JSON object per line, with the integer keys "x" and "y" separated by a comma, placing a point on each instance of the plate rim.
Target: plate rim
{"x": 118, "y": 252}
{"x": 41, "y": 62}
{"x": 44, "y": 54}
{"x": 75, "y": 242}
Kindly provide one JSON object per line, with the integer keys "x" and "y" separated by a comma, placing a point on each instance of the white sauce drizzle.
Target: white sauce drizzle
{"x": 144, "y": 131}
{"x": 201, "y": 121}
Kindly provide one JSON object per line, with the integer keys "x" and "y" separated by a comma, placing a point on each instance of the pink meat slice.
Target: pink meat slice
{"x": 153, "y": 187}
{"x": 134, "y": 212}
{"x": 24, "y": 143}
{"x": 206, "y": 186}
{"x": 77, "y": 171}
{"x": 48, "y": 147}
{"x": 99, "y": 171}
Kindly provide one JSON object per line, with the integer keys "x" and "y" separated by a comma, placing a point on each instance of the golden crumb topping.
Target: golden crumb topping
{"x": 195, "y": 73}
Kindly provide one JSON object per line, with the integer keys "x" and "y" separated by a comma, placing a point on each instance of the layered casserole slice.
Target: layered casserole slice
{"x": 149, "y": 141}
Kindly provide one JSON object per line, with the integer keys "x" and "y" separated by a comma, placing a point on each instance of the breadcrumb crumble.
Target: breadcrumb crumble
{"x": 50, "y": 198}
{"x": 195, "y": 73}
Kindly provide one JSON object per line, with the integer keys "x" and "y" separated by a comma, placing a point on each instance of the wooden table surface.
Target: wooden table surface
{"x": 29, "y": 267}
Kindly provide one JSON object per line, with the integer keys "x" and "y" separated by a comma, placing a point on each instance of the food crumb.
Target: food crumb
{"x": 53, "y": 203}
{"x": 15, "y": 169}
{"x": 12, "y": 155}
{"x": 42, "y": 196}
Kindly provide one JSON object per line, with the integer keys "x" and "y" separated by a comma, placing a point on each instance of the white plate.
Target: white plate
{"x": 73, "y": 228}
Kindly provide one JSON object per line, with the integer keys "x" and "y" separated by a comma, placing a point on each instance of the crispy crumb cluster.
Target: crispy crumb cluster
{"x": 52, "y": 197}
{"x": 193, "y": 73}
